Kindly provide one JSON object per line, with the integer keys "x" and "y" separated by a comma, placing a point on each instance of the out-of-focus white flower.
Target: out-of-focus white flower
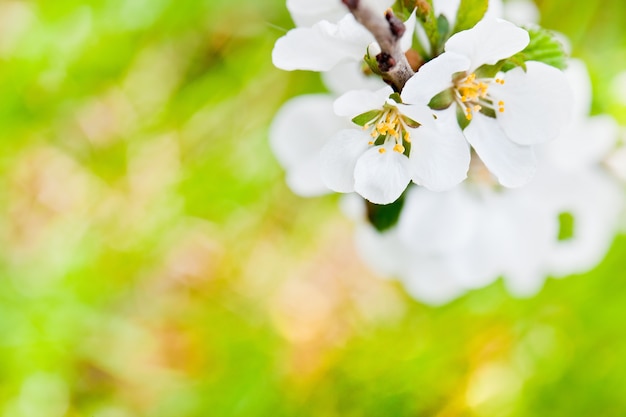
{"x": 298, "y": 132}
{"x": 376, "y": 161}
{"x": 520, "y": 12}
{"x": 617, "y": 162}
{"x": 527, "y": 107}
{"x": 562, "y": 223}
{"x": 619, "y": 88}
{"x": 348, "y": 76}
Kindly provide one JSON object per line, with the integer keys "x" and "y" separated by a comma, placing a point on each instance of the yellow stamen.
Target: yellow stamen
{"x": 382, "y": 150}
{"x": 398, "y": 148}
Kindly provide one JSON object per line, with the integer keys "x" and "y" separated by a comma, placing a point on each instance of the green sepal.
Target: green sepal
{"x": 384, "y": 217}
{"x": 489, "y": 112}
{"x": 461, "y": 119}
{"x": 372, "y": 63}
{"x": 410, "y": 122}
{"x": 396, "y": 97}
{"x": 543, "y": 47}
{"x": 489, "y": 71}
{"x": 442, "y": 100}
{"x": 363, "y": 118}
{"x": 469, "y": 13}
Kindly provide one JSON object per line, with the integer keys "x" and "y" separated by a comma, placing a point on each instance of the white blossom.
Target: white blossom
{"x": 376, "y": 162}
{"x": 325, "y": 44}
{"x": 527, "y": 106}
{"x": 298, "y": 132}
{"x": 450, "y": 242}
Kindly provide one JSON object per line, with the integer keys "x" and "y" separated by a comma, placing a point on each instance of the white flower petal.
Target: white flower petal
{"x": 433, "y": 77}
{"x": 418, "y": 112}
{"x": 595, "y": 201}
{"x": 580, "y": 85}
{"x": 353, "y": 207}
{"x": 488, "y": 42}
{"x": 584, "y": 143}
{"x": 309, "y": 12}
{"x": 538, "y": 103}
{"x": 407, "y": 39}
{"x": 356, "y": 102}
{"x": 434, "y": 223}
{"x": 382, "y": 252}
{"x": 339, "y": 157}
{"x": 305, "y": 179}
{"x": 514, "y": 165}
{"x": 448, "y": 8}
{"x": 302, "y": 127}
{"x": 381, "y": 177}
{"x": 428, "y": 279}
{"x": 348, "y": 76}
{"x": 322, "y": 46}
{"x": 440, "y": 156}
{"x": 297, "y": 134}
{"x": 521, "y": 12}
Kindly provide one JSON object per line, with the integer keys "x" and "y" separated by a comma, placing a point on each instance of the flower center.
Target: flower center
{"x": 471, "y": 94}
{"x": 390, "y": 125}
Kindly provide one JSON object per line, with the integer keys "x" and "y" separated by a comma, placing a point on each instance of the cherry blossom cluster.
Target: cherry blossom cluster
{"x": 466, "y": 151}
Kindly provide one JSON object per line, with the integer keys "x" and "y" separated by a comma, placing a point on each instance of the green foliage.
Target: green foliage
{"x": 384, "y": 217}
{"x": 543, "y": 47}
{"x": 470, "y": 12}
{"x": 425, "y": 13}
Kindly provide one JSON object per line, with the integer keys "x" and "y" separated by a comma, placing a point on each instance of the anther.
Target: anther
{"x": 382, "y": 151}
{"x": 398, "y": 148}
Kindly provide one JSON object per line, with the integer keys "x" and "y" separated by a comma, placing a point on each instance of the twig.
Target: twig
{"x": 387, "y": 31}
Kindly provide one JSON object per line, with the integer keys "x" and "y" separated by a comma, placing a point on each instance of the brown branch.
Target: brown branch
{"x": 387, "y": 31}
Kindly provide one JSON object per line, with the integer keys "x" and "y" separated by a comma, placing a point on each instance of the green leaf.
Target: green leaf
{"x": 403, "y": 8}
{"x": 442, "y": 100}
{"x": 425, "y": 13}
{"x": 543, "y": 47}
{"x": 470, "y": 12}
{"x": 364, "y": 118}
{"x": 384, "y": 217}
{"x": 515, "y": 61}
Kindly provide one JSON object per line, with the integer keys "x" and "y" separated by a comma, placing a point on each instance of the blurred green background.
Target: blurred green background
{"x": 155, "y": 264}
